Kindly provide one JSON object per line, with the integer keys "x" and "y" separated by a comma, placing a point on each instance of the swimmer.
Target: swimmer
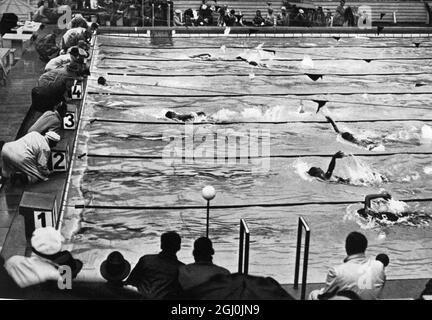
{"x": 327, "y": 176}
{"x": 348, "y": 136}
{"x": 184, "y": 117}
{"x": 367, "y": 210}
{"x": 203, "y": 56}
{"x": 102, "y": 81}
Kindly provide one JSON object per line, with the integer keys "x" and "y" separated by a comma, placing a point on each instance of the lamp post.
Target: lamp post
{"x": 208, "y": 194}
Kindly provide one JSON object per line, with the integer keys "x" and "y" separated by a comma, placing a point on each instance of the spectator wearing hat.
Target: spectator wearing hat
{"x": 177, "y": 18}
{"x": 270, "y": 19}
{"x": 363, "y": 275}
{"x": 43, "y": 264}
{"x": 27, "y": 157}
{"x": 50, "y": 120}
{"x": 283, "y": 17}
{"x": 156, "y": 275}
{"x": 203, "y": 268}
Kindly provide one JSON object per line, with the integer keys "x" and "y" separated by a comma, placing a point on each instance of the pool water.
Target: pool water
{"x": 271, "y": 103}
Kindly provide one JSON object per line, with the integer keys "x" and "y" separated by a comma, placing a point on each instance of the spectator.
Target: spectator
{"x": 177, "y": 18}
{"x": 8, "y": 288}
{"x": 230, "y": 19}
{"x": 78, "y": 21}
{"x": 41, "y": 14}
{"x": 50, "y": 120}
{"x": 270, "y": 19}
{"x": 189, "y": 18}
{"x": 319, "y": 18}
{"x": 339, "y": 17}
{"x": 73, "y": 36}
{"x": 156, "y": 276}
{"x": 54, "y": 85}
{"x": 300, "y": 19}
{"x": 258, "y": 20}
{"x": 43, "y": 265}
{"x": 203, "y": 268}
{"x": 222, "y": 16}
{"x": 329, "y": 18}
{"x": 360, "y": 274}
{"x": 73, "y": 54}
{"x": 27, "y": 157}
{"x": 349, "y": 19}
{"x": 47, "y": 47}
{"x": 283, "y": 17}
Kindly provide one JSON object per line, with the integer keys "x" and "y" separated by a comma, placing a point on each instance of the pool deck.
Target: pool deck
{"x": 15, "y": 102}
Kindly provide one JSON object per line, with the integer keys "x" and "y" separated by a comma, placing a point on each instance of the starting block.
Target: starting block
{"x": 39, "y": 211}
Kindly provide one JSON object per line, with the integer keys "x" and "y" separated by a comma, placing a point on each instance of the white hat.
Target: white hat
{"x": 177, "y": 11}
{"x": 46, "y": 240}
{"x": 283, "y": 8}
{"x": 204, "y": 7}
{"x": 51, "y": 135}
{"x": 301, "y": 11}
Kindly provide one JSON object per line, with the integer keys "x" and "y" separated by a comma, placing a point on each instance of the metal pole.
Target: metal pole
{"x": 297, "y": 262}
{"x": 240, "y": 264}
{"x": 208, "y": 218}
{"x": 169, "y": 14}
{"x": 305, "y": 265}
{"x": 246, "y": 259}
{"x": 142, "y": 12}
{"x": 152, "y": 14}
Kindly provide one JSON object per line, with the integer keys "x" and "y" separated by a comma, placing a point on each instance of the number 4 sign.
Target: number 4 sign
{"x": 76, "y": 90}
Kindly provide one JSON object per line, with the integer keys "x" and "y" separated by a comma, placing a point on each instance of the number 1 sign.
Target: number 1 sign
{"x": 77, "y": 90}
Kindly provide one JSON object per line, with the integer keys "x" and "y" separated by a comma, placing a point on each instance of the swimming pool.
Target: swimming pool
{"x": 124, "y": 135}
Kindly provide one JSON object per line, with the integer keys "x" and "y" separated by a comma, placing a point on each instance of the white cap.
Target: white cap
{"x": 51, "y": 135}
{"x": 46, "y": 240}
{"x": 301, "y": 11}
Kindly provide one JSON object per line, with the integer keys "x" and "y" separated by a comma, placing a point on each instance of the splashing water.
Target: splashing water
{"x": 426, "y": 133}
{"x": 360, "y": 173}
{"x": 427, "y": 170}
{"x": 307, "y": 63}
{"x": 301, "y": 168}
{"x": 276, "y": 113}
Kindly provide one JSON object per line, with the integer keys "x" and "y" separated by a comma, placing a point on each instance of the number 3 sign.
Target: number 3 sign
{"x": 76, "y": 90}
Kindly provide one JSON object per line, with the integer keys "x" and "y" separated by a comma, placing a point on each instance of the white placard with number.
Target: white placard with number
{"x": 69, "y": 121}
{"x": 59, "y": 161}
{"x": 43, "y": 219}
{"x": 77, "y": 90}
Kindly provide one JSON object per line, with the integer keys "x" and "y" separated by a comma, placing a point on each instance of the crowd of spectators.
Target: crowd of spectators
{"x": 210, "y": 13}
{"x": 164, "y": 276}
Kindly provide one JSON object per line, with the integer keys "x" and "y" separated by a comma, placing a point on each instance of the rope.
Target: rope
{"x": 249, "y": 122}
{"x": 286, "y": 156}
{"x": 234, "y": 206}
{"x": 291, "y": 74}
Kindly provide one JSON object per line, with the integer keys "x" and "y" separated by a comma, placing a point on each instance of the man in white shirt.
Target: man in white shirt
{"x": 29, "y": 156}
{"x": 359, "y": 274}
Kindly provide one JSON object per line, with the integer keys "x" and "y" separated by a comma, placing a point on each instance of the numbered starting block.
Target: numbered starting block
{"x": 71, "y": 118}
{"x": 77, "y": 90}
{"x": 39, "y": 211}
{"x": 60, "y": 156}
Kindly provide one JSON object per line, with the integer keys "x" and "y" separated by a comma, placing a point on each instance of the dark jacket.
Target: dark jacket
{"x": 194, "y": 274}
{"x": 156, "y": 276}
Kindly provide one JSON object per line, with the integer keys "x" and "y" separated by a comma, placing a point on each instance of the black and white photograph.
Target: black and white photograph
{"x": 216, "y": 154}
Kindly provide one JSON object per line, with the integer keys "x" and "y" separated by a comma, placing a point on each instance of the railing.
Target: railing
{"x": 302, "y": 225}
{"x": 243, "y": 265}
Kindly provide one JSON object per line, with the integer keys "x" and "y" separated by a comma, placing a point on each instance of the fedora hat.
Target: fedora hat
{"x": 65, "y": 258}
{"x": 115, "y": 267}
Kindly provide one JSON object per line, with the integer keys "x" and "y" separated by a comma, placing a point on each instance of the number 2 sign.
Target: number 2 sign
{"x": 76, "y": 90}
{"x": 59, "y": 162}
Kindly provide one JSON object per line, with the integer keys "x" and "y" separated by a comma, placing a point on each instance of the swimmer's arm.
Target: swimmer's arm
{"x": 333, "y": 124}
{"x": 332, "y": 164}
{"x": 371, "y": 197}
